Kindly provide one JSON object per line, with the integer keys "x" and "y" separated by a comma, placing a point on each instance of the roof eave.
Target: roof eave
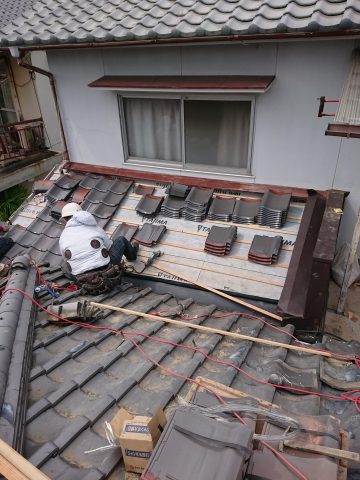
{"x": 246, "y": 38}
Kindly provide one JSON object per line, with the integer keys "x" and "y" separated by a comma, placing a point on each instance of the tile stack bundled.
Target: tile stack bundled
{"x": 265, "y": 250}
{"x": 149, "y": 234}
{"x": 273, "y": 209}
{"x": 246, "y": 210}
{"x": 172, "y": 207}
{"x": 221, "y": 208}
{"x": 220, "y": 240}
{"x": 149, "y": 205}
{"x": 196, "y": 203}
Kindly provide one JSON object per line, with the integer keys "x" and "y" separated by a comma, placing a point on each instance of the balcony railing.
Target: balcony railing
{"x": 21, "y": 139}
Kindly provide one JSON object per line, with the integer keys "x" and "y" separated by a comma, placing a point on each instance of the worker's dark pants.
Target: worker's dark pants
{"x": 121, "y": 246}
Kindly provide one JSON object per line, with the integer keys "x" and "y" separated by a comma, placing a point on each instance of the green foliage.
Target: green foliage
{"x": 10, "y": 200}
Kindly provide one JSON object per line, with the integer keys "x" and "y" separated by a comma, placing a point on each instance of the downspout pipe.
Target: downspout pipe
{"x": 50, "y": 76}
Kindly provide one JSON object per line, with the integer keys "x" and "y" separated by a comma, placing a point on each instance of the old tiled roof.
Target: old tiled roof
{"x": 80, "y": 377}
{"x": 79, "y": 21}
{"x": 11, "y": 9}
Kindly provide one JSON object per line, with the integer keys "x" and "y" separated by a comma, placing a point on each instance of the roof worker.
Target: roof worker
{"x": 91, "y": 258}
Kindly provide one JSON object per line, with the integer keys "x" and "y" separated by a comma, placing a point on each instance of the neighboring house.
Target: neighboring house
{"x": 225, "y": 91}
{"x": 221, "y": 94}
{"x": 29, "y": 131}
{"x": 155, "y": 100}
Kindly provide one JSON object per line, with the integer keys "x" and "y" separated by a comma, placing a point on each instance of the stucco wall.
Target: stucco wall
{"x": 289, "y": 146}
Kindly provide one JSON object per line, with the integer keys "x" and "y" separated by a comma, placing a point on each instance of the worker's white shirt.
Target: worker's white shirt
{"x": 83, "y": 244}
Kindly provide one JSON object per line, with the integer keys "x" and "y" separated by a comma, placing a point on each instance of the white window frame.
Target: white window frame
{"x": 183, "y": 165}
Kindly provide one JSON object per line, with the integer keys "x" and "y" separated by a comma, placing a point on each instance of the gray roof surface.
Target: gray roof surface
{"x": 11, "y": 9}
{"x": 79, "y": 377}
{"x": 79, "y": 21}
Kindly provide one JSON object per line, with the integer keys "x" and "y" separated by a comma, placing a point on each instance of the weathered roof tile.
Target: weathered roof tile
{"x": 87, "y": 20}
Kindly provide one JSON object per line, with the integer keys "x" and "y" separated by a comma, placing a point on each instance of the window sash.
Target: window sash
{"x": 184, "y": 165}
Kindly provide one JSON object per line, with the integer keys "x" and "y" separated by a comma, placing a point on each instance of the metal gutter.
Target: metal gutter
{"x": 50, "y": 76}
{"x": 196, "y": 40}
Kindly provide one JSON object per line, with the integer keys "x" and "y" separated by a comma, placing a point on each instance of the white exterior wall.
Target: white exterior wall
{"x": 289, "y": 144}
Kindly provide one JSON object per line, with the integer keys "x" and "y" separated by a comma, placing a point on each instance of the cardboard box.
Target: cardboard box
{"x": 138, "y": 436}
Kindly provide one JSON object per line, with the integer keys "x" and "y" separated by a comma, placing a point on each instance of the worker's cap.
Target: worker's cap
{"x": 69, "y": 209}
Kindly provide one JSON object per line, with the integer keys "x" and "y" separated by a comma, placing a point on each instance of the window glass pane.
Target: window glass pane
{"x": 153, "y": 128}
{"x": 217, "y": 132}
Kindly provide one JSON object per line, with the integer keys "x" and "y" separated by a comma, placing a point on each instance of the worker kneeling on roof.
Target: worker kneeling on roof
{"x": 91, "y": 258}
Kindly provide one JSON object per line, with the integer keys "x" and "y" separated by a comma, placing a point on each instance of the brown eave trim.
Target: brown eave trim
{"x": 343, "y": 130}
{"x": 233, "y": 82}
{"x": 197, "y": 40}
{"x": 299, "y": 193}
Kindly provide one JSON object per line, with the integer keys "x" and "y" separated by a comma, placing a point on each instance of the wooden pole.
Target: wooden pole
{"x": 330, "y": 452}
{"x": 350, "y": 262}
{"x": 218, "y": 292}
{"x": 216, "y": 331}
{"x": 15, "y": 467}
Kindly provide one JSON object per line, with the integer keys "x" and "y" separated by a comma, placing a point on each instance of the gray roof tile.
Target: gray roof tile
{"x": 81, "y": 377}
{"x": 100, "y": 20}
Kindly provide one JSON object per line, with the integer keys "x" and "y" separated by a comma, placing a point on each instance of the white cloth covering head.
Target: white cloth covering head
{"x": 83, "y": 244}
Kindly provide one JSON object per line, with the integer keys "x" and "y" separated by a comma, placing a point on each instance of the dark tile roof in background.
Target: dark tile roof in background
{"x": 79, "y": 21}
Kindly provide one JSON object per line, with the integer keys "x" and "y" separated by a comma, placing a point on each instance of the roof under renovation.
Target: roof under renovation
{"x": 72, "y": 21}
{"x": 78, "y": 378}
{"x": 60, "y": 383}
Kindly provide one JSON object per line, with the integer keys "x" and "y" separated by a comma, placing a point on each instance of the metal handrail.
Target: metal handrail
{"x": 20, "y": 139}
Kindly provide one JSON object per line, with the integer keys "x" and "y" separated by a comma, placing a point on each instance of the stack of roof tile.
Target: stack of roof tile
{"x": 149, "y": 234}
{"x": 220, "y": 240}
{"x": 149, "y": 205}
{"x": 273, "y": 209}
{"x": 265, "y": 250}
{"x": 246, "y": 210}
{"x": 172, "y": 207}
{"x": 221, "y": 208}
{"x": 196, "y": 203}
{"x": 124, "y": 230}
